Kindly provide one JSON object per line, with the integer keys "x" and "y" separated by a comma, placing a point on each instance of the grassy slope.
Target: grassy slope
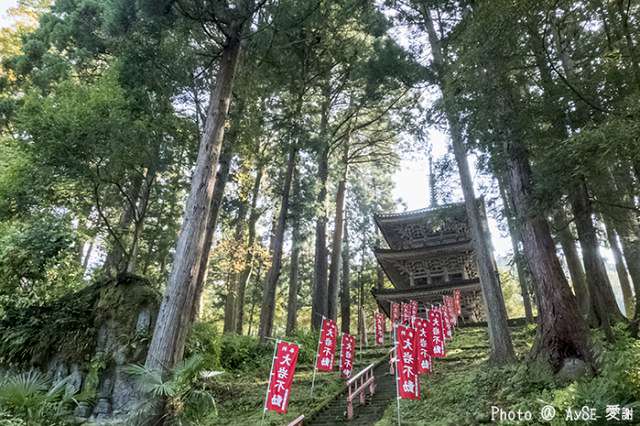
{"x": 464, "y": 386}
{"x": 240, "y": 396}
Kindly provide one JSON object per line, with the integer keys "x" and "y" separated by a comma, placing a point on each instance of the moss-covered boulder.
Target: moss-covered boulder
{"x": 89, "y": 336}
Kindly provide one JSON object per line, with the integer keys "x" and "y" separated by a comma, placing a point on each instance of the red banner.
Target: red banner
{"x": 379, "y": 328}
{"x": 406, "y": 313}
{"x": 457, "y": 296}
{"x": 414, "y": 308}
{"x": 435, "y": 327}
{"x": 395, "y": 313}
{"x": 423, "y": 356}
{"x": 347, "y": 354}
{"x": 446, "y": 320}
{"x": 408, "y": 378}
{"x": 282, "y": 370}
{"x": 327, "y": 346}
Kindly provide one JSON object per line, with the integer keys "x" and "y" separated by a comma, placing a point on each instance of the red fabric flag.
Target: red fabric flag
{"x": 414, "y": 308}
{"x": 327, "y": 346}
{"x": 395, "y": 313}
{"x": 423, "y": 356}
{"x": 282, "y": 370}
{"x": 347, "y": 355}
{"x": 446, "y": 320}
{"x": 407, "y": 376}
{"x": 379, "y": 328}
{"x": 406, "y": 313}
{"x": 446, "y": 316}
{"x": 437, "y": 339}
{"x": 457, "y": 297}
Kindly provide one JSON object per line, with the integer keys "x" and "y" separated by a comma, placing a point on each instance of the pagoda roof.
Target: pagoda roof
{"x": 423, "y": 294}
{"x": 424, "y": 227}
{"x": 391, "y": 260}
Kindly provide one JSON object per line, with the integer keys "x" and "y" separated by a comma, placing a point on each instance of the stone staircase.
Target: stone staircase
{"x": 334, "y": 412}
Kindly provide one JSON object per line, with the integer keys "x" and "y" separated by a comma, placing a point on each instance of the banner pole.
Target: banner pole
{"x": 395, "y": 350}
{"x": 273, "y": 361}
{"x": 315, "y": 362}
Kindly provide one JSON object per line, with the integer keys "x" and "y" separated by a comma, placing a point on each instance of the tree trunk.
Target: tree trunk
{"x": 621, "y": 269}
{"x": 87, "y": 256}
{"x": 294, "y": 271}
{"x": 180, "y": 297}
{"x": 574, "y": 264}
{"x": 600, "y": 292}
{"x": 514, "y": 236}
{"x": 222, "y": 177}
{"x": 245, "y": 276}
{"x": 345, "y": 289}
{"x": 336, "y": 250}
{"x": 231, "y": 302}
{"x": 141, "y": 214}
{"x": 630, "y": 239}
{"x": 319, "y": 297}
{"x": 495, "y": 310}
{"x": 113, "y": 263}
{"x": 562, "y": 333}
{"x": 269, "y": 293}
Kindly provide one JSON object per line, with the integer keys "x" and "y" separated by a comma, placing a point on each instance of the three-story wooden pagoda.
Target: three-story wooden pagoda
{"x": 430, "y": 254}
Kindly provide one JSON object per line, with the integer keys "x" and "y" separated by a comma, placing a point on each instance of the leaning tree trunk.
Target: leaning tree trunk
{"x": 495, "y": 310}
{"x": 176, "y": 310}
{"x": 245, "y": 275}
{"x": 277, "y": 238}
{"x": 574, "y": 264}
{"x": 222, "y": 177}
{"x": 294, "y": 271}
{"x": 562, "y": 332}
{"x": 336, "y": 250}
{"x": 600, "y": 291}
{"x": 621, "y": 269}
{"x": 345, "y": 290}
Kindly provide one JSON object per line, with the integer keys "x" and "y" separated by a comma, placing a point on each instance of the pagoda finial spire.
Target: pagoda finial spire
{"x": 432, "y": 182}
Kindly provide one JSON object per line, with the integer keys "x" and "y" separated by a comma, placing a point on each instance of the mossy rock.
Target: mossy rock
{"x": 67, "y": 328}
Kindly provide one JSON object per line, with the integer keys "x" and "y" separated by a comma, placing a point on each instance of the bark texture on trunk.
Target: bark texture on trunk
{"x": 601, "y": 294}
{"x": 319, "y": 296}
{"x": 294, "y": 270}
{"x": 319, "y": 299}
{"x": 562, "y": 332}
{"x": 176, "y": 310}
{"x": 516, "y": 239}
{"x": 245, "y": 275}
{"x": 574, "y": 263}
{"x": 277, "y": 238}
{"x": 231, "y": 302}
{"x": 345, "y": 289}
{"x": 222, "y": 177}
{"x": 336, "y": 251}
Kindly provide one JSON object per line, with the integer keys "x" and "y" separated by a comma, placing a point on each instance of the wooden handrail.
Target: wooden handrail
{"x": 357, "y": 376}
{"x": 297, "y": 422}
{"x": 357, "y": 387}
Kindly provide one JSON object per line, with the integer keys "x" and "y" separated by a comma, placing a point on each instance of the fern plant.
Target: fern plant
{"x": 32, "y": 398}
{"x": 183, "y": 393}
